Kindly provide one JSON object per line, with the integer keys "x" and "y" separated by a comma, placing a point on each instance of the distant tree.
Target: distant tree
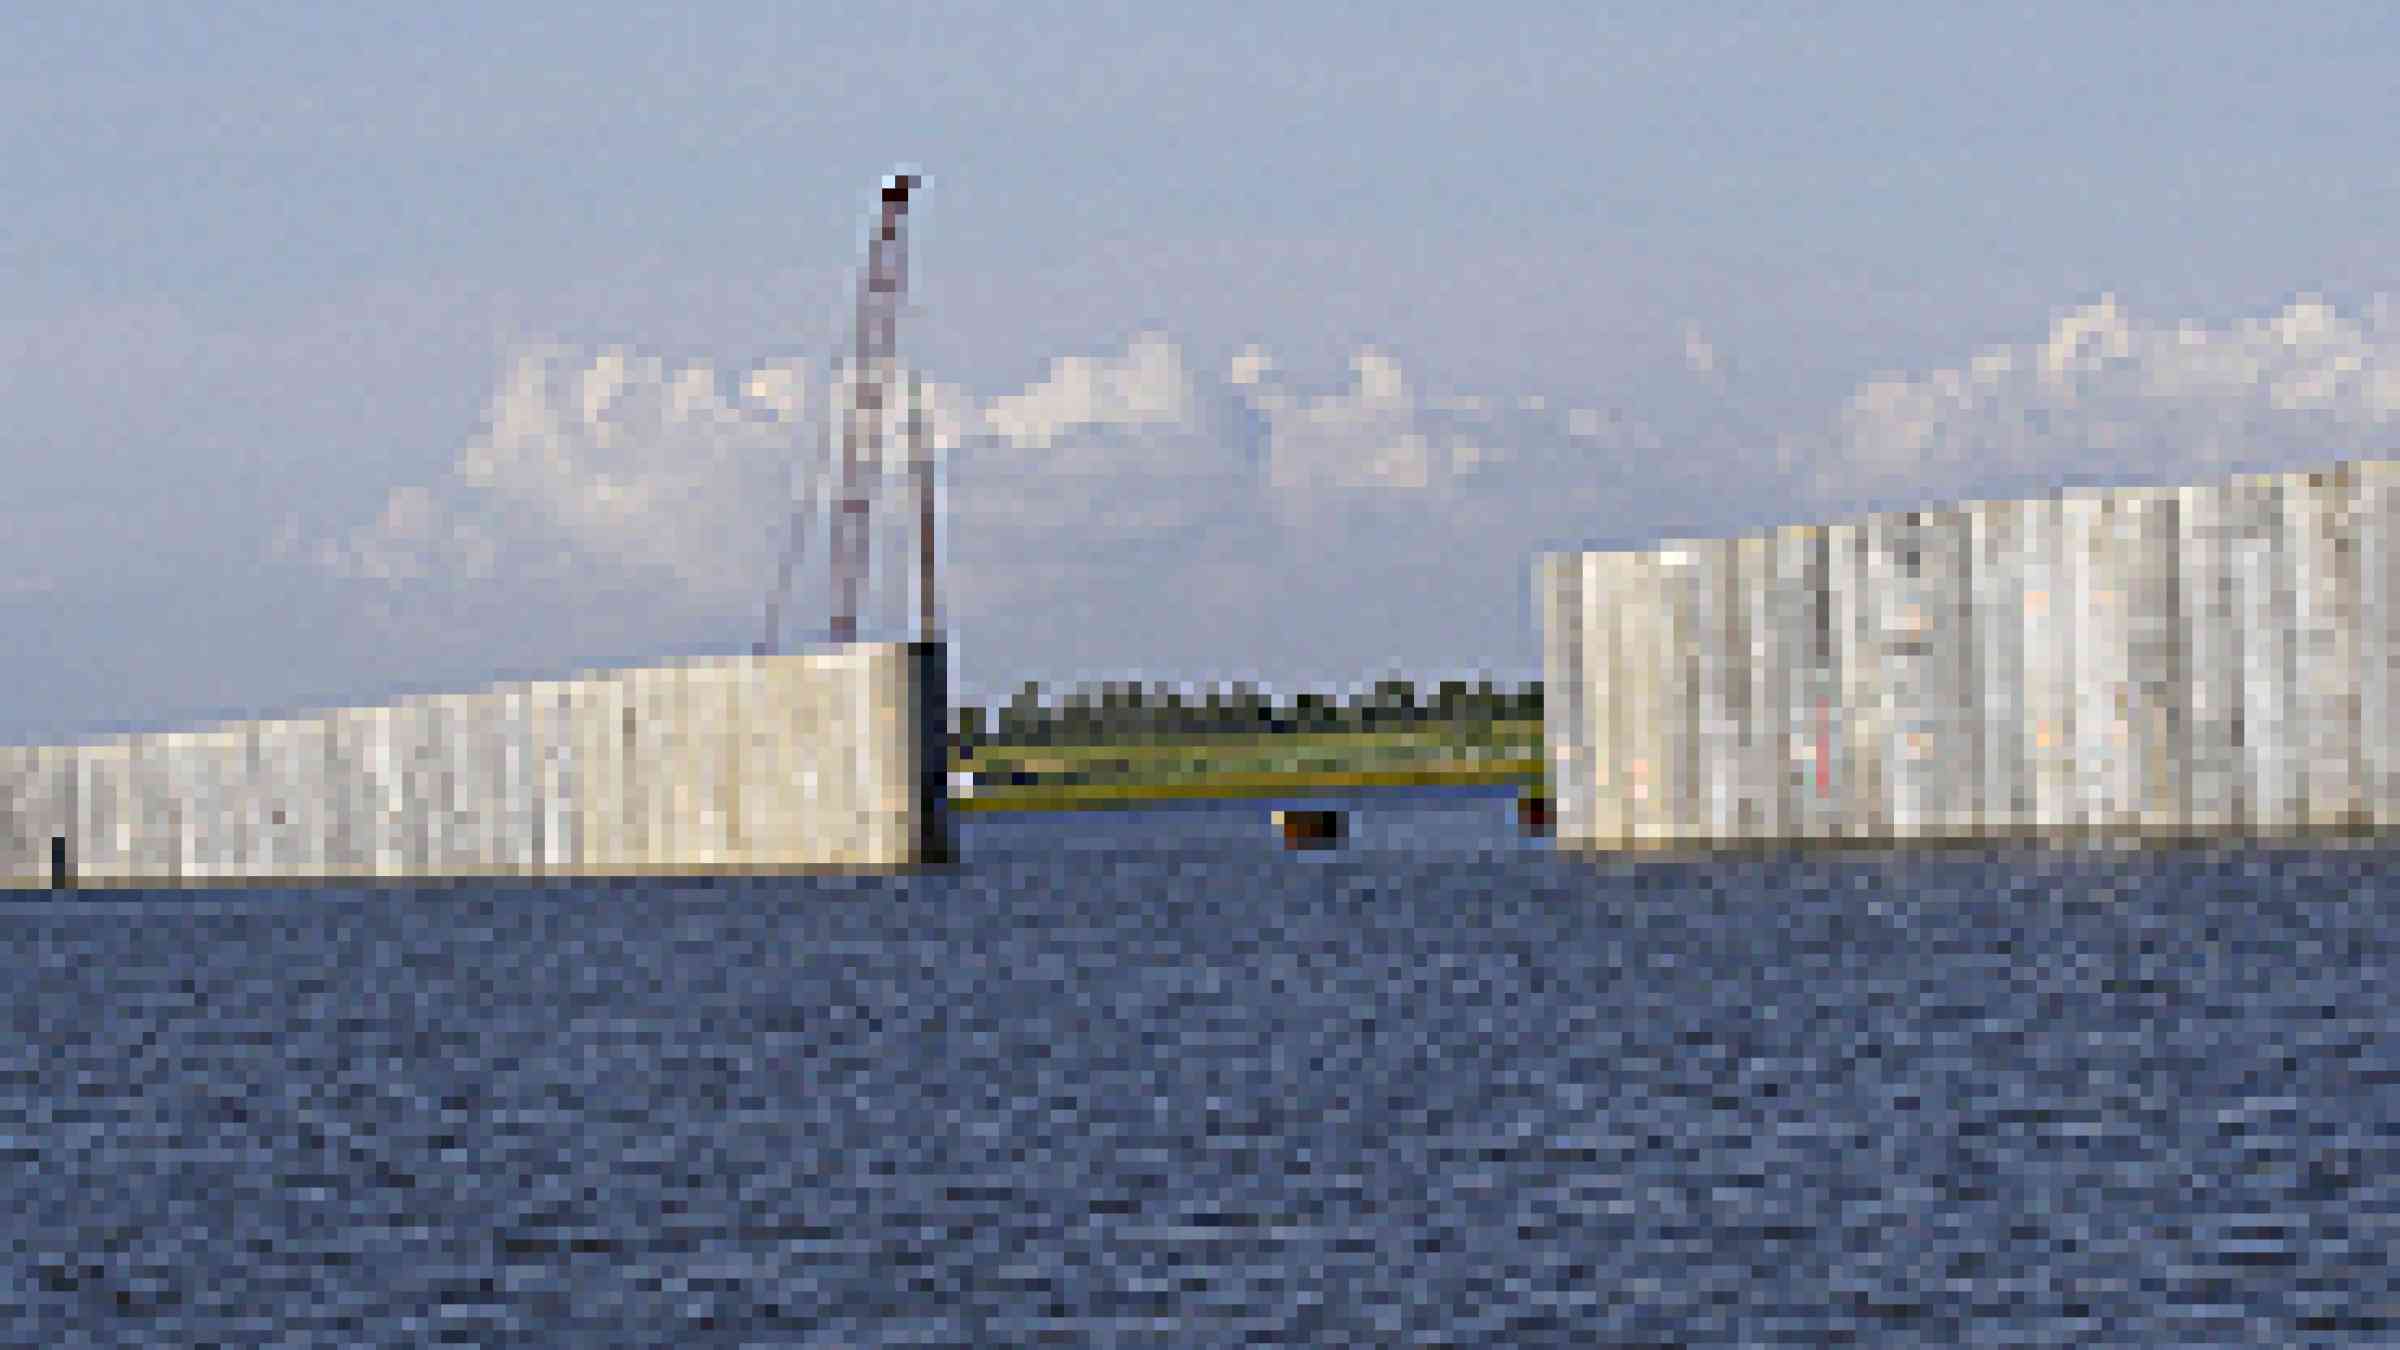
{"x": 1224, "y": 712}
{"x": 1350, "y": 711}
{"x": 1121, "y": 710}
{"x": 1311, "y": 712}
{"x": 1529, "y": 702}
{"x": 1392, "y": 703}
{"x": 1450, "y": 701}
{"x": 1282, "y": 716}
{"x": 1166, "y": 712}
{"x": 1252, "y": 711}
{"x": 1023, "y": 719}
{"x": 1483, "y": 703}
{"x": 1075, "y": 717}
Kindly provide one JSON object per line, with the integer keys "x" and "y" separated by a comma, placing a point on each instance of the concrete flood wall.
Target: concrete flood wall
{"x": 823, "y": 760}
{"x": 2148, "y": 662}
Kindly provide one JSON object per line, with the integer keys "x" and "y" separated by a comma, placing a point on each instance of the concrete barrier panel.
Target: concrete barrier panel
{"x": 20, "y": 845}
{"x": 1812, "y": 682}
{"x": 2152, "y": 663}
{"x": 2325, "y": 665}
{"x": 2093, "y": 679}
{"x": 49, "y": 810}
{"x": 2003, "y": 788}
{"x": 827, "y": 759}
{"x": 1717, "y": 658}
{"x": 2375, "y": 500}
{"x": 2213, "y": 651}
{"x": 1607, "y": 704}
{"x": 1763, "y": 748}
{"x": 2157, "y": 662}
{"x": 2261, "y": 565}
{"x": 1859, "y": 713}
{"x": 1645, "y": 639}
{"x": 1566, "y": 737}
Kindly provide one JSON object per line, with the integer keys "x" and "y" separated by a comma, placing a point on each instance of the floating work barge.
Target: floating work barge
{"x": 824, "y": 760}
{"x": 2141, "y": 664}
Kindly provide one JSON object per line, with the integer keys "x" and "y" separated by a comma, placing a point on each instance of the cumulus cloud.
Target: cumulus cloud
{"x": 1364, "y": 437}
{"x": 413, "y": 539}
{"x": 600, "y": 459}
{"x": 1250, "y": 365}
{"x": 1105, "y": 454}
{"x": 1384, "y": 436}
{"x": 1117, "y": 475}
{"x": 1699, "y": 354}
{"x": 600, "y": 466}
{"x": 1206, "y": 516}
{"x": 611, "y": 458}
{"x": 2108, "y": 395}
{"x": 1148, "y": 386}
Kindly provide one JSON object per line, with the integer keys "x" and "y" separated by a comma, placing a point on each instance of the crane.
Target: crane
{"x": 868, "y": 384}
{"x": 868, "y": 377}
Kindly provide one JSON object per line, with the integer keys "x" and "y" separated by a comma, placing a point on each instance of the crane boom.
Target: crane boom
{"x": 869, "y": 377}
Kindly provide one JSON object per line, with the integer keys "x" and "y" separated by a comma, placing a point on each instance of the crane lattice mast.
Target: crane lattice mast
{"x": 869, "y": 378}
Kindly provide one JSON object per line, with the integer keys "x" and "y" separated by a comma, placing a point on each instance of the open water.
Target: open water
{"x": 1146, "y": 1078}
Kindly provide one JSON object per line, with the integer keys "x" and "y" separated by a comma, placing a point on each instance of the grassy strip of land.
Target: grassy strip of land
{"x": 1132, "y": 771}
{"x": 1067, "y": 773}
{"x": 1101, "y": 796}
{"x": 1205, "y": 749}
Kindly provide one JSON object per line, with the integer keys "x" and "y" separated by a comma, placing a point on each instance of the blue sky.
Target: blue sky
{"x": 355, "y": 353}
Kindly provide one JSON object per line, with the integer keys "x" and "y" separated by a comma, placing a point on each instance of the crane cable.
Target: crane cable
{"x": 795, "y": 544}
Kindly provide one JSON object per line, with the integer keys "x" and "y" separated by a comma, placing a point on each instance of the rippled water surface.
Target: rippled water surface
{"x": 1146, "y": 1077}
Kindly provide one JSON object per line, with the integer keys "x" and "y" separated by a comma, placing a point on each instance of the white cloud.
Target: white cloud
{"x": 2107, "y": 395}
{"x": 600, "y": 458}
{"x": 1698, "y": 353}
{"x": 1365, "y": 437}
{"x": 1250, "y": 365}
{"x": 1382, "y": 436}
{"x": 602, "y": 465}
{"x": 1147, "y": 386}
{"x": 626, "y": 462}
{"x": 1142, "y": 504}
{"x": 1122, "y": 498}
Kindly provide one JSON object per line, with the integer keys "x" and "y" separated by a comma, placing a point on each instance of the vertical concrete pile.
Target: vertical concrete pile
{"x": 2150, "y": 662}
{"x": 820, "y": 760}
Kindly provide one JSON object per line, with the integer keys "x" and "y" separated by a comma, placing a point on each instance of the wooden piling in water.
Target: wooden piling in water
{"x": 1535, "y": 813}
{"x": 1309, "y": 829}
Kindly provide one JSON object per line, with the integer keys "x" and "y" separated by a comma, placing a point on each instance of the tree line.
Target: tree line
{"x": 1128, "y": 710}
